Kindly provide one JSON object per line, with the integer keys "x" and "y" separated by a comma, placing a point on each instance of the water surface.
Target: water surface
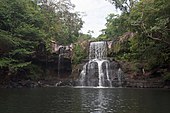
{"x": 84, "y": 100}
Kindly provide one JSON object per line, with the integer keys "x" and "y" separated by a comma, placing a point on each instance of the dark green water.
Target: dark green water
{"x": 84, "y": 100}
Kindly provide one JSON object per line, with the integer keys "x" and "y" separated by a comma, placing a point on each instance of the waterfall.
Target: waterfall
{"x": 96, "y": 71}
{"x": 59, "y": 63}
{"x": 119, "y": 76}
{"x": 60, "y": 58}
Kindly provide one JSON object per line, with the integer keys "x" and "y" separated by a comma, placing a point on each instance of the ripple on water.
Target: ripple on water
{"x": 84, "y": 100}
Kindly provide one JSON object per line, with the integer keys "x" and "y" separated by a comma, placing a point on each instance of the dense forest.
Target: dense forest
{"x": 140, "y": 35}
{"x": 26, "y": 31}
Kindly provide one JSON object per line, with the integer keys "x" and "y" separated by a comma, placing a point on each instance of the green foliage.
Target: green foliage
{"x": 5, "y": 62}
{"x": 12, "y": 65}
{"x": 19, "y": 65}
{"x": 152, "y": 22}
{"x": 6, "y": 42}
{"x": 116, "y": 25}
{"x": 148, "y": 22}
{"x": 17, "y": 34}
{"x": 35, "y": 72}
{"x": 84, "y": 37}
{"x": 63, "y": 25}
{"x": 79, "y": 54}
{"x": 24, "y": 24}
{"x": 124, "y": 5}
{"x": 29, "y": 32}
{"x": 167, "y": 77}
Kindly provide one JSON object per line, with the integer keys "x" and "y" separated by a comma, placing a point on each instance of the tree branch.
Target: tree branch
{"x": 151, "y": 37}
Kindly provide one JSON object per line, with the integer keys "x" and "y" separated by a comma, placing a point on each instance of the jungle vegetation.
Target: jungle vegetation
{"x": 26, "y": 24}
{"x": 141, "y": 34}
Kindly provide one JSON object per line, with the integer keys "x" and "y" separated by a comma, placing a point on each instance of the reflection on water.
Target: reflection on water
{"x": 110, "y": 100}
{"x": 100, "y": 101}
{"x": 96, "y": 102}
{"x": 84, "y": 100}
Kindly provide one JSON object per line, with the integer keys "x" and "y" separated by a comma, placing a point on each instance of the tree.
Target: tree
{"x": 25, "y": 24}
{"x": 152, "y": 23}
{"x": 124, "y": 5}
{"x": 66, "y": 24}
{"x": 148, "y": 22}
{"x": 116, "y": 25}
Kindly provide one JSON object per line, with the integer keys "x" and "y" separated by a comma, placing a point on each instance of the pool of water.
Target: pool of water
{"x": 84, "y": 100}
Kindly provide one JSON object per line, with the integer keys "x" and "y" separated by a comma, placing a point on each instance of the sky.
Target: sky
{"x": 96, "y": 12}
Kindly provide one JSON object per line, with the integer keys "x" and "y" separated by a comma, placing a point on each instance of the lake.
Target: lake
{"x": 84, "y": 100}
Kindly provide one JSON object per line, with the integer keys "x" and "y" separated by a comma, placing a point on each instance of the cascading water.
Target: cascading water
{"x": 119, "y": 76}
{"x": 60, "y": 57}
{"x": 96, "y": 71}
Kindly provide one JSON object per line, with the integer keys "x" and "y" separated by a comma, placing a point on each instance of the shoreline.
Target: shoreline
{"x": 71, "y": 83}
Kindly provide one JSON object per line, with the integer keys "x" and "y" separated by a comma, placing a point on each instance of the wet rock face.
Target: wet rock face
{"x": 114, "y": 66}
{"x": 20, "y": 84}
{"x": 56, "y": 64}
{"x": 64, "y": 67}
{"x": 91, "y": 71}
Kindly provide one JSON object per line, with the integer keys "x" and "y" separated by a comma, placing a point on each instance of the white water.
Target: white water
{"x": 97, "y": 62}
{"x": 98, "y": 50}
{"x": 107, "y": 73}
{"x": 119, "y": 76}
{"x": 83, "y": 74}
{"x": 59, "y": 58}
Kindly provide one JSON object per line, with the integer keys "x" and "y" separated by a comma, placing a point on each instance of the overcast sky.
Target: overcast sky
{"x": 96, "y": 11}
